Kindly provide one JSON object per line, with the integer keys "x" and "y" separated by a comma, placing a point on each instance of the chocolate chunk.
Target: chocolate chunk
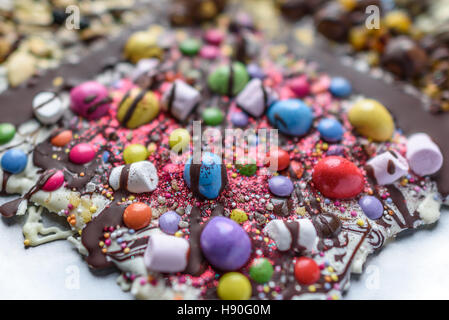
{"x": 327, "y": 225}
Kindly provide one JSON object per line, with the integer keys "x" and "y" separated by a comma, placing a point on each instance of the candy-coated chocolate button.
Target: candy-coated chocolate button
{"x": 54, "y": 182}
{"x": 330, "y": 129}
{"x": 142, "y": 45}
{"x": 179, "y": 139}
{"x": 279, "y": 159}
{"x": 14, "y": 161}
{"x": 247, "y": 169}
{"x": 261, "y": 270}
{"x": 398, "y": 20}
{"x": 213, "y": 116}
{"x": 134, "y": 153}
{"x": 219, "y": 80}
{"x": 280, "y": 186}
{"x": 234, "y": 286}
{"x": 225, "y": 244}
{"x": 190, "y": 47}
{"x": 372, "y": 120}
{"x": 137, "y": 216}
{"x": 82, "y": 153}
{"x": 372, "y": 207}
{"x": 300, "y": 86}
{"x": 7, "y": 132}
{"x": 214, "y": 36}
{"x": 239, "y": 119}
{"x": 238, "y": 216}
{"x": 340, "y": 87}
{"x": 209, "y": 52}
{"x": 306, "y": 271}
{"x": 90, "y": 100}
{"x": 338, "y": 178}
{"x": 62, "y": 139}
{"x": 168, "y": 222}
{"x": 292, "y": 117}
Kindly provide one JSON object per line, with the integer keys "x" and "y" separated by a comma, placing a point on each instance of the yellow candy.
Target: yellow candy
{"x": 142, "y": 45}
{"x": 239, "y": 216}
{"x": 134, "y": 153}
{"x": 358, "y": 37}
{"x": 234, "y": 286}
{"x": 137, "y": 108}
{"x": 179, "y": 140}
{"x": 348, "y": 4}
{"x": 398, "y": 20}
{"x": 372, "y": 120}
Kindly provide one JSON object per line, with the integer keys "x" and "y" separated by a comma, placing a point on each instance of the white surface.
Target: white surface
{"x": 415, "y": 266}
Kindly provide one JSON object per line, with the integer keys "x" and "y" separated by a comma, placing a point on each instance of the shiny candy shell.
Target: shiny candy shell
{"x": 239, "y": 119}
{"x": 372, "y": 120}
{"x": 280, "y": 186}
{"x": 219, "y": 81}
{"x": 234, "y": 286}
{"x": 90, "y": 100}
{"x": 168, "y": 222}
{"x": 225, "y": 244}
{"x": 261, "y": 270}
{"x": 82, "y": 153}
{"x": 7, "y": 132}
{"x": 179, "y": 139}
{"x": 213, "y": 116}
{"x": 372, "y": 207}
{"x": 340, "y": 87}
{"x": 338, "y": 178}
{"x": 134, "y": 153}
{"x": 54, "y": 182}
{"x": 279, "y": 159}
{"x": 330, "y": 129}
{"x": 190, "y": 47}
{"x": 307, "y": 271}
{"x": 14, "y": 161}
{"x": 292, "y": 117}
{"x": 62, "y": 138}
{"x": 137, "y": 216}
{"x": 300, "y": 86}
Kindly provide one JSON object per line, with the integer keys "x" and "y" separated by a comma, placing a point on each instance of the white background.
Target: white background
{"x": 415, "y": 266}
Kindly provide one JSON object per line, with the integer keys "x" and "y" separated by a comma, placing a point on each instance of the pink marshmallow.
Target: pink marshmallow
{"x": 166, "y": 253}
{"x": 388, "y": 167}
{"x": 423, "y": 155}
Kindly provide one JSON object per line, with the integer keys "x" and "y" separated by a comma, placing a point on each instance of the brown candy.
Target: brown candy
{"x": 296, "y": 9}
{"x": 333, "y": 22}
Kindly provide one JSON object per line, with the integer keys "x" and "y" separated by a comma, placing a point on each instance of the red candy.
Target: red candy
{"x": 283, "y": 158}
{"x": 306, "y": 271}
{"x": 82, "y": 153}
{"x": 54, "y": 182}
{"x": 337, "y": 178}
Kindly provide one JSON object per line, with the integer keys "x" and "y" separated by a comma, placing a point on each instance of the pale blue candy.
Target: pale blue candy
{"x": 330, "y": 129}
{"x": 340, "y": 87}
{"x": 292, "y": 116}
{"x": 14, "y": 161}
{"x": 210, "y": 177}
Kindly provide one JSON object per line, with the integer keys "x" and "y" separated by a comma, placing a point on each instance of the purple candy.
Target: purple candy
{"x": 168, "y": 222}
{"x": 225, "y": 244}
{"x": 372, "y": 207}
{"x": 239, "y": 119}
{"x": 335, "y": 151}
{"x": 255, "y": 71}
{"x": 280, "y": 186}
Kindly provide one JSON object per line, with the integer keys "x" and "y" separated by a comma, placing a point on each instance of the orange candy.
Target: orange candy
{"x": 137, "y": 216}
{"x": 62, "y": 138}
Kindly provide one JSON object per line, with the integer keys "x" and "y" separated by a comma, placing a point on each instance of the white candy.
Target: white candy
{"x": 166, "y": 253}
{"x": 142, "y": 177}
{"x": 48, "y": 107}
{"x": 388, "y": 167}
{"x": 253, "y": 98}
{"x": 183, "y": 99}
{"x": 423, "y": 155}
{"x": 307, "y": 236}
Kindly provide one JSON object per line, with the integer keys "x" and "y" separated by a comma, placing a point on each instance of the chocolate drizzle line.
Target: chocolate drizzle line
{"x": 132, "y": 108}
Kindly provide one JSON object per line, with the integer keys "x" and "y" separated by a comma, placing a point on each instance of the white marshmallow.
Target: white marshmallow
{"x": 166, "y": 253}
{"x": 252, "y": 98}
{"x": 423, "y": 155}
{"x": 307, "y": 235}
{"x": 184, "y": 99}
{"x": 48, "y": 107}
{"x": 142, "y": 177}
{"x": 388, "y": 167}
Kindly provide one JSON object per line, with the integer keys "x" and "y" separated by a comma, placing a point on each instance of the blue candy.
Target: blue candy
{"x": 292, "y": 116}
{"x": 340, "y": 87}
{"x": 330, "y": 129}
{"x": 210, "y": 178}
{"x": 14, "y": 161}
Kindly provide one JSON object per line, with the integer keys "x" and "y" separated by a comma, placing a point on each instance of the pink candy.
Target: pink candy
{"x": 209, "y": 52}
{"x": 214, "y": 36}
{"x": 90, "y": 100}
{"x": 300, "y": 86}
{"x": 54, "y": 182}
{"x": 82, "y": 153}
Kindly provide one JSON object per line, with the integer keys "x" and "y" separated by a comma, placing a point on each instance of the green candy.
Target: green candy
{"x": 190, "y": 47}
{"x": 248, "y": 169}
{"x": 7, "y": 132}
{"x": 213, "y": 116}
{"x": 219, "y": 80}
{"x": 261, "y": 270}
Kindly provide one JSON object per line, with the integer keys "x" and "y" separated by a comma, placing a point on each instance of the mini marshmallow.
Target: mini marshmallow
{"x": 388, "y": 167}
{"x": 144, "y": 67}
{"x": 48, "y": 107}
{"x": 280, "y": 233}
{"x": 180, "y": 99}
{"x": 254, "y": 98}
{"x": 142, "y": 177}
{"x": 423, "y": 155}
{"x": 166, "y": 253}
